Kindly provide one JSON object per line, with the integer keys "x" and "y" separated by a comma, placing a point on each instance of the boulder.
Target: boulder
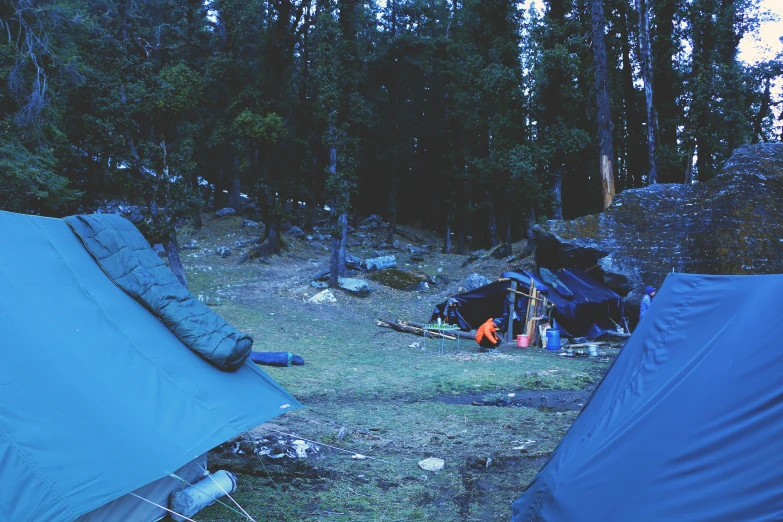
{"x": 325, "y": 296}
{"x": 353, "y": 262}
{"x": 248, "y": 223}
{"x": 380, "y": 263}
{"x": 474, "y": 281}
{"x": 223, "y": 251}
{"x": 296, "y": 232}
{"x": 732, "y": 224}
{"x": 502, "y": 250}
{"x": 223, "y": 212}
{"x": 358, "y": 287}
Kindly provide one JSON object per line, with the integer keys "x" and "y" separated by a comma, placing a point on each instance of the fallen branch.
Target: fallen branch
{"x": 402, "y": 327}
{"x": 460, "y": 333}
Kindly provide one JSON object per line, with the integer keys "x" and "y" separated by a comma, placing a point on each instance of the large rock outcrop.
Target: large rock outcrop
{"x": 732, "y": 224}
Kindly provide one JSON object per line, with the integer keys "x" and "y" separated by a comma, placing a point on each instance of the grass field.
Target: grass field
{"x": 377, "y": 393}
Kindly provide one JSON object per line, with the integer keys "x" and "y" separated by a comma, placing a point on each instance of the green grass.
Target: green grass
{"x": 390, "y": 399}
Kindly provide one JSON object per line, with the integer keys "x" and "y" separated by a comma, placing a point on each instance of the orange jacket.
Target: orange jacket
{"x": 487, "y": 330}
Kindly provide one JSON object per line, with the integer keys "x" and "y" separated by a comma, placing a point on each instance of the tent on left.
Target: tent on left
{"x": 102, "y": 408}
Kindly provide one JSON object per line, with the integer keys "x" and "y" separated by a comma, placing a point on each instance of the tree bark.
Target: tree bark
{"x": 492, "y": 225}
{"x": 557, "y": 192}
{"x": 629, "y": 173}
{"x": 234, "y": 187}
{"x": 447, "y": 239}
{"x": 647, "y": 74}
{"x": 758, "y": 131}
{"x": 606, "y": 154}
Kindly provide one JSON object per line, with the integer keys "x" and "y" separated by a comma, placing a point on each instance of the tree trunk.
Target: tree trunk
{"x": 606, "y": 155}
{"x": 447, "y": 239}
{"x": 392, "y": 209}
{"x": 629, "y": 174}
{"x": 234, "y": 187}
{"x": 492, "y": 225}
{"x": 530, "y": 222}
{"x": 758, "y": 131}
{"x": 172, "y": 252}
{"x": 557, "y": 192}
{"x": 647, "y": 74}
{"x": 337, "y": 260}
{"x": 461, "y": 236}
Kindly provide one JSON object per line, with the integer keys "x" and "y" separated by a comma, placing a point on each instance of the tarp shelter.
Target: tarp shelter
{"x": 98, "y": 399}
{"x": 593, "y": 310}
{"x": 687, "y": 423}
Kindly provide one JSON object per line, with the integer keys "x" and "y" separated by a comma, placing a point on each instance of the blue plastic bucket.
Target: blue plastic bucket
{"x": 552, "y": 339}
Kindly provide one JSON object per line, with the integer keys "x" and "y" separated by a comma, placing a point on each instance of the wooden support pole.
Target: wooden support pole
{"x": 511, "y": 300}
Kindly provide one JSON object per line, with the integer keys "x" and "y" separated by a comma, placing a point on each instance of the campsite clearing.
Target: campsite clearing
{"x": 368, "y": 392}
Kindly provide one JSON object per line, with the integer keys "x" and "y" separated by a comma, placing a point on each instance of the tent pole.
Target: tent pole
{"x": 511, "y": 299}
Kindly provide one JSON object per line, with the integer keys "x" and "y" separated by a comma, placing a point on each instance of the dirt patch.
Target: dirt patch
{"x": 546, "y": 401}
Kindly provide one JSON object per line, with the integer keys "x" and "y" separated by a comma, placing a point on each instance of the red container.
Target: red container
{"x": 522, "y": 341}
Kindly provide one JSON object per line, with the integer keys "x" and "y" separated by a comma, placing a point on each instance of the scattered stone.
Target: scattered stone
{"x": 502, "y": 251}
{"x": 474, "y": 281}
{"x": 372, "y": 221}
{"x": 396, "y": 244}
{"x": 210, "y": 301}
{"x": 432, "y": 464}
{"x": 342, "y": 433}
{"x": 416, "y": 258}
{"x": 380, "y": 263}
{"x": 243, "y": 243}
{"x": 223, "y": 251}
{"x": 223, "y": 212}
{"x": 309, "y": 237}
{"x": 193, "y": 245}
{"x": 358, "y": 287}
{"x": 319, "y": 284}
{"x": 247, "y": 223}
{"x": 353, "y": 262}
{"x": 323, "y": 297}
{"x": 296, "y": 232}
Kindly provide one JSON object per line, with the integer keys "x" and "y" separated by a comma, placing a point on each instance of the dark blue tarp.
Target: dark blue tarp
{"x": 592, "y": 312}
{"x": 687, "y": 423}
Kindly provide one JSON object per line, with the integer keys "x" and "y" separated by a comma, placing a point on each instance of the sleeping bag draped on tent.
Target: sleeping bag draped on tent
{"x": 687, "y": 423}
{"x": 98, "y": 398}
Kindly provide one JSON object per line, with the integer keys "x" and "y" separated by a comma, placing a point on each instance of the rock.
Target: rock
{"x": 223, "y": 251}
{"x": 158, "y": 248}
{"x": 380, "y": 263}
{"x": 193, "y": 245}
{"x": 309, "y": 237}
{"x": 342, "y": 433}
{"x": 372, "y": 219}
{"x": 296, "y": 232}
{"x": 731, "y": 224}
{"x": 396, "y": 244}
{"x": 223, "y": 212}
{"x": 325, "y": 296}
{"x": 321, "y": 275}
{"x": 358, "y": 287}
{"x": 474, "y": 281}
{"x": 416, "y": 258}
{"x": 247, "y": 223}
{"x": 501, "y": 251}
{"x": 243, "y": 243}
{"x": 319, "y": 284}
{"x": 353, "y": 262}
{"x": 432, "y": 464}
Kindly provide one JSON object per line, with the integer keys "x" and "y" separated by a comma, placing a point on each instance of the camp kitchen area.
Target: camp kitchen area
{"x": 565, "y": 311}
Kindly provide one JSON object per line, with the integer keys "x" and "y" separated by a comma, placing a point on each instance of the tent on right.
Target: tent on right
{"x": 687, "y": 423}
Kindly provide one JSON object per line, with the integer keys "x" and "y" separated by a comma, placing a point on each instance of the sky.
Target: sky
{"x": 765, "y": 43}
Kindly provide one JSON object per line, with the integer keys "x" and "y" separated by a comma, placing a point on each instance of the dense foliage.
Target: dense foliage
{"x": 473, "y": 117}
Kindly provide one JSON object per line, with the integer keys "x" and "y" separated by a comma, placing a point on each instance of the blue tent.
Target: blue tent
{"x": 98, "y": 398}
{"x": 687, "y": 423}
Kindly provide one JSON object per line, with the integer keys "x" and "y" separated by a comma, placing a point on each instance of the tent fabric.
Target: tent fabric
{"x": 98, "y": 397}
{"x": 591, "y": 312}
{"x": 124, "y": 254}
{"x": 686, "y": 424}
{"x": 129, "y": 507}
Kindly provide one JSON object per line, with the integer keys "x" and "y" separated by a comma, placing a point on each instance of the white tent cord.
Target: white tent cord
{"x": 161, "y": 507}
{"x": 227, "y": 494}
{"x": 172, "y": 475}
{"x": 327, "y": 445}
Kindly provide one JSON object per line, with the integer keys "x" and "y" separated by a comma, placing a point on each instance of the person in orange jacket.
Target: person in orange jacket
{"x": 486, "y": 335}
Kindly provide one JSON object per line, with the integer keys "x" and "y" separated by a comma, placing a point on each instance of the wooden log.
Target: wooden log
{"x": 460, "y": 333}
{"x": 401, "y": 327}
{"x": 523, "y": 293}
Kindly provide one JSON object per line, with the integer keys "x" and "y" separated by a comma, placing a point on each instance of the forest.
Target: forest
{"x": 473, "y": 118}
